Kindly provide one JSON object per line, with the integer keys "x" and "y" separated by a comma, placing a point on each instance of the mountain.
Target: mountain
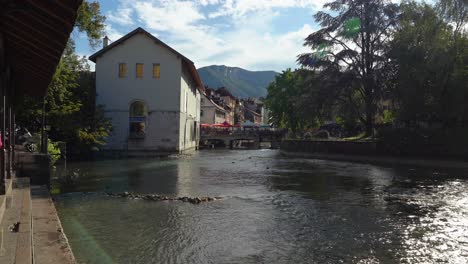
{"x": 242, "y": 83}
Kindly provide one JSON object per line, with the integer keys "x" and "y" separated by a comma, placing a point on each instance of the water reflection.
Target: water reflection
{"x": 275, "y": 210}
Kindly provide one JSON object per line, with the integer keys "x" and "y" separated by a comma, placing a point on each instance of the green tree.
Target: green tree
{"x": 90, "y": 21}
{"x": 454, "y": 11}
{"x": 430, "y": 57}
{"x": 349, "y": 49}
{"x": 69, "y": 103}
{"x": 283, "y": 100}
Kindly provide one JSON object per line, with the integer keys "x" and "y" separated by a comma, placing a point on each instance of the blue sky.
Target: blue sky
{"x": 252, "y": 34}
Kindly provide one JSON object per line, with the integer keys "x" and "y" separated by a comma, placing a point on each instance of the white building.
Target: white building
{"x": 151, "y": 93}
{"x": 211, "y": 113}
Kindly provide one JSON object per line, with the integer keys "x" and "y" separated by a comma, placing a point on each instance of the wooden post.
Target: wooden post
{"x": 2, "y": 88}
{"x": 3, "y": 126}
{"x": 11, "y": 139}
{"x": 43, "y": 135}
{"x": 13, "y": 152}
{"x": 7, "y": 144}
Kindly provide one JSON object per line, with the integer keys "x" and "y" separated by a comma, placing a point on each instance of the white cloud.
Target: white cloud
{"x": 168, "y": 15}
{"x": 231, "y": 32}
{"x": 121, "y": 16}
{"x": 112, "y": 33}
{"x": 239, "y": 8}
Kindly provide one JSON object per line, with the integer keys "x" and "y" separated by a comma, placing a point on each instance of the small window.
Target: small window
{"x": 122, "y": 70}
{"x": 137, "y": 121}
{"x": 201, "y": 112}
{"x": 156, "y": 70}
{"x": 139, "y": 70}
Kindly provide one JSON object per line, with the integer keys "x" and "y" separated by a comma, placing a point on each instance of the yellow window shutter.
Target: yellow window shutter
{"x": 122, "y": 70}
{"x": 156, "y": 70}
{"x": 139, "y": 70}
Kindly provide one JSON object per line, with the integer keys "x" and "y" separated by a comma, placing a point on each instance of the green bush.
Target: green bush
{"x": 53, "y": 150}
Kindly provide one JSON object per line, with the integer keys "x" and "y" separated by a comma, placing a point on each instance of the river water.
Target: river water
{"x": 274, "y": 210}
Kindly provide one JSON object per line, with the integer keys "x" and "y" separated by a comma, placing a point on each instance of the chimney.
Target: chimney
{"x": 105, "y": 42}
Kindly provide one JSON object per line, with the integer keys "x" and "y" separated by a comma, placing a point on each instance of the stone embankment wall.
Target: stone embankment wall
{"x": 373, "y": 152}
{"x": 36, "y": 166}
{"x": 334, "y": 147}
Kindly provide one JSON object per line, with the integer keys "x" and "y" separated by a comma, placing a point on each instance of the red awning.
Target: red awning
{"x": 225, "y": 124}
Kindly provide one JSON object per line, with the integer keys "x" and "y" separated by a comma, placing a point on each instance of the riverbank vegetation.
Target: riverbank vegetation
{"x": 397, "y": 72}
{"x": 70, "y": 112}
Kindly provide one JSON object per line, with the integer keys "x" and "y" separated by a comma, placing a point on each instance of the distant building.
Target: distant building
{"x": 150, "y": 92}
{"x": 252, "y": 116}
{"x": 223, "y": 99}
{"x": 239, "y": 116}
{"x": 229, "y": 103}
{"x": 211, "y": 113}
{"x": 253, "y": 110}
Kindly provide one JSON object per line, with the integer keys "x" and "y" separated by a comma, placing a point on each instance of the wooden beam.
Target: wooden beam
{"x": 35, "y": 18}
{"x": 29, "y": 56}
{"x": 53, "y": 10}
{"x": 35, "y": 40}
{"x": 2, "y": 52}
{"x": 67, "y": 7}
{"x": 32, "y": 71}
{"x": 38, "y": 29}
{"x": 33, "y": 48}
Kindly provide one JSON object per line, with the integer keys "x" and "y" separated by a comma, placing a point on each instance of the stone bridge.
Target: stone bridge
{"x": 235, "y": 139}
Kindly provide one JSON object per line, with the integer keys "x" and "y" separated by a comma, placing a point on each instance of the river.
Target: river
{"x": 273, "y": 210}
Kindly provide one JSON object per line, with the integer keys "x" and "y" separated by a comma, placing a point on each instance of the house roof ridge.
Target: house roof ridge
{"x": 187, "y": 61}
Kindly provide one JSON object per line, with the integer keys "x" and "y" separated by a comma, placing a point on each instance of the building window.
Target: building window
{"x": 156, "y": 70}
{"x": 139, "y": 70}
{"x": 122, "y": 70}
{"x": 201, "y": 112}
{"x": 202, "y": 100}
{"x": 137, "y": 119}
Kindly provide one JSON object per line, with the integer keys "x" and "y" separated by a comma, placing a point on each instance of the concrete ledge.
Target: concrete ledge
{"x": 50, "y": 245}
{"x": 6, "y": 198}
{"x": 15, "y": 247}
{"x": 36, "y": 166}
{"x": 383, "y": 160}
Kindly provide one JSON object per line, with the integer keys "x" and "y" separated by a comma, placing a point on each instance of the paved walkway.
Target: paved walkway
{"x": 39, "y": 238}
{"x": 50, "y": 244}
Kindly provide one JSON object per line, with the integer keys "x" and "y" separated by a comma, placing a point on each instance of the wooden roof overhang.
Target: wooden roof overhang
{"x": 35, "y": 33}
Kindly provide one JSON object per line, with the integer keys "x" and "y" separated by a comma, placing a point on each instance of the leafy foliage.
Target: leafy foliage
{"x": 357, "y": 39}
{"x": 402, "y": 67}
{"x": 430, "y": 58}
{"x": 69, "y": 104}
{"x": 282, "y": 100}
{"x": 90, "y": 21}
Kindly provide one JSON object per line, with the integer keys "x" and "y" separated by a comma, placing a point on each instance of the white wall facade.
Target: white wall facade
{"x": 163, "y": 96}
{"x": 190, "y": 113}
{"x": 211, "y": 113}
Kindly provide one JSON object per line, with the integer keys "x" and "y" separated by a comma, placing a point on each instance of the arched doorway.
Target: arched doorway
{"x": 137, "y": 120}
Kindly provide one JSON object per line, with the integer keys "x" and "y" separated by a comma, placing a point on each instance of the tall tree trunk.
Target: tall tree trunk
{"x": 369, "y": 118}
